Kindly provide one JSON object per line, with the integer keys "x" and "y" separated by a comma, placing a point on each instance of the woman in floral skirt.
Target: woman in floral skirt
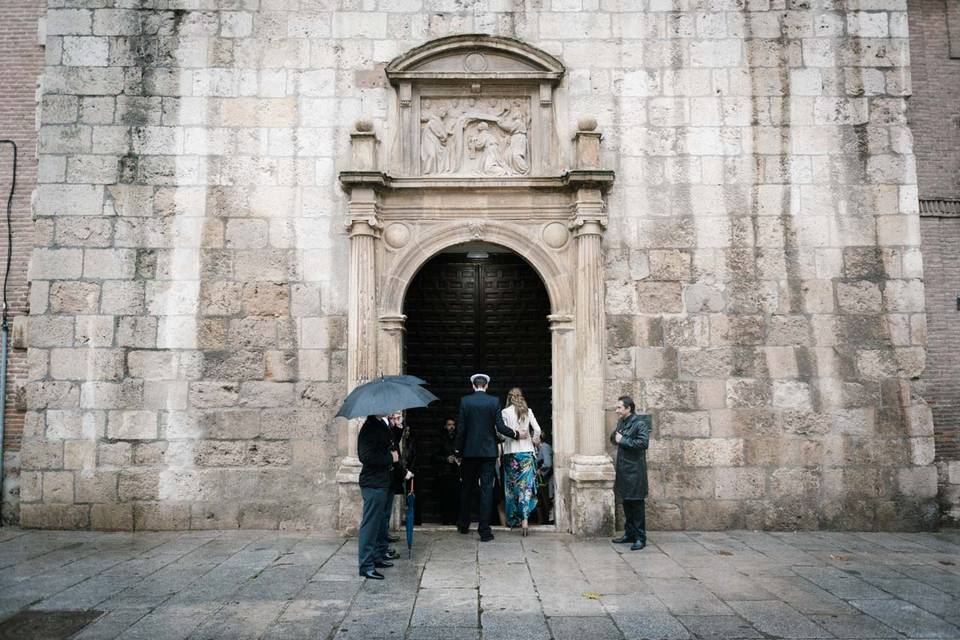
{"x": 520, "y": 461}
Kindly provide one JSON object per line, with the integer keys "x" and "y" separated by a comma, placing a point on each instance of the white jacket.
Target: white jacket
{"x": 510, "y": 419}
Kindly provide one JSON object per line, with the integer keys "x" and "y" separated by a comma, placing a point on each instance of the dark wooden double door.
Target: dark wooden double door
{"x": 467, "y": 316}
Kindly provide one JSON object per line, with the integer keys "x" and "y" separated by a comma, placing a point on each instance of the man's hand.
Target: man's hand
{"x": 395, "y": 456}
{"x": 451, "y": 460}
{"x": 536, "y": 442}
{"x": 618, "y": 437}
{"x": 523, "y": 434}
{"x": 408, "y": 476}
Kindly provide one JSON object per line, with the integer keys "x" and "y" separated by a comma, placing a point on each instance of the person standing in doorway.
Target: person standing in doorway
{"x": 377, "y": 458}
{"x": 448, "y": 472}
{"x": 477, "y": 427}
{"x": 520, "y": 461}
{"x": 632, "y": 436}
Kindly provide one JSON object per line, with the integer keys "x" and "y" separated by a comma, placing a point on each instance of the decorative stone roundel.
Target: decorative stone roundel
{"x": 475, "y": 62}
{"x": 396, "y": 235}
{"x": 555, "y": 235}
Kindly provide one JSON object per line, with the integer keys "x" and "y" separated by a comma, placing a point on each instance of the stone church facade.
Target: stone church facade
{"x": 234, "y": 200}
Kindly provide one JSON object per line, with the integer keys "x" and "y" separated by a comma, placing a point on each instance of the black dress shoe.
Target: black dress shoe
{"x": 486, "y": 538}
{"x": 393, "y": 538}
{"x": 639, "y": 544}
{"x": 463, "y": 530}
{"x": 373, "y": 574}
{"x": 624, "y": 539}
{"x": 391, "y": 554}
{"x": 383, "y": 564}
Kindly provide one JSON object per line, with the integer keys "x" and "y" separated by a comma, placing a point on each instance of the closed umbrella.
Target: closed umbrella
{"x": 411, "y": 503}
{"x": 382, "y": 396}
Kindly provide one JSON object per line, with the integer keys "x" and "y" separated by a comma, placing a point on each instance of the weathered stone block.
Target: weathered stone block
{"x": 58, "y": 487}
{"x": 132, "y": 425}
{"x": 114, "y": 454}
{"x": 41, "y": 455}
{"x": 80, "y": 454}
{"x": 659, "y": 297}
{"x": 122, "y": 298}
{"x": 266, "y": 394}
{"x": 94, "y": 331}
{"x": 740, "y": 483}
{"x": 86, "y": 364}
{"x": 138, "y": 485}
{"x": 917, "y": 482}
{"x": 111, "y": 517}
{"x": 56, "y": 264}
{"x": 74, "y": 297}
{"x": 160, "y": 517}
{"x": 96, "y": 487}
{"x": 55, "y": 516}
{"x": 213, "y": 394}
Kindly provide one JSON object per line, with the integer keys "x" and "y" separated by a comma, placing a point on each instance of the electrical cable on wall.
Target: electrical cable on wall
{"x": 6, "y": 273}
{"x": 4, "y": 328}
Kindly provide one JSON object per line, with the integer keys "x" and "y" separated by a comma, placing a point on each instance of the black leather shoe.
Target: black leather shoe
{"x": 393, "y": 538}
{"x": 463, "y": 530}
{"x": 624, "y": 539}
{"x": 383, "y": 564}
{"x": 639, "y": 544}
{"x": 391, "y": 554}
{"x": 373, "y": 574}
{"x": 486, "y": 538}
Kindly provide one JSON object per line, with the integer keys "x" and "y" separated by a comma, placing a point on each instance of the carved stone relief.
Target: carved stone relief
{"x": 475, "y": 136}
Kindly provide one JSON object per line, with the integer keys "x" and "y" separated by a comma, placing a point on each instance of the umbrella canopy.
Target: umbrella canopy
{"x": 382, "y": 396}
{"x": 405, "y": 379}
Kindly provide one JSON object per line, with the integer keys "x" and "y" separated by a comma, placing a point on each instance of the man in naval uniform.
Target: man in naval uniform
{"x": 476, "y": 445}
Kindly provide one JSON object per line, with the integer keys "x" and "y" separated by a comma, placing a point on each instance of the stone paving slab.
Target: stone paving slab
{"x": 269, "y": 585}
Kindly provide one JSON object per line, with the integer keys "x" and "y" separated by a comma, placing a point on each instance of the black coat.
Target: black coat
{"x": 477, "y": 428}
{"x": 373, "y": 449}
{"x": 631, "y": 482}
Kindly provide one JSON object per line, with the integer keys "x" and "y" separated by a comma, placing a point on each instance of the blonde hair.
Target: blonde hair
{"x": 515, "y": 397}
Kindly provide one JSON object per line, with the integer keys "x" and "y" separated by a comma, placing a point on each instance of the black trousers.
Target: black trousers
{"x": 635, "y": 514}
{"x": 474, "y": 471}
{"x": 449, "y": 498}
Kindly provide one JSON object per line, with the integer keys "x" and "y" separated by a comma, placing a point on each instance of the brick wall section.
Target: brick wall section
{"x": 941, "y": 238}
{"x": 934, "y": 109}
{"x": 22, "y": 64}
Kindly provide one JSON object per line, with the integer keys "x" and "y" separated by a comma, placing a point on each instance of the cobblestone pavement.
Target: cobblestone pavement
{"x": 285, "y": 585}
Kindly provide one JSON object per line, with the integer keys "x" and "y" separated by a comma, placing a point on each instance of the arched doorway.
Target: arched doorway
{"x": 474, "y": 307}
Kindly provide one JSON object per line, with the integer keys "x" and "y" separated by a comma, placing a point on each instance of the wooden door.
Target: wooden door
{"x": 465, "y": 317}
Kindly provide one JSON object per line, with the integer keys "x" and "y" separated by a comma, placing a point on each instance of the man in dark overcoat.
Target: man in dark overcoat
{"x": 632, "y": 436}
{"x": 476, "y": 444}
{"x": 377, "y": 458}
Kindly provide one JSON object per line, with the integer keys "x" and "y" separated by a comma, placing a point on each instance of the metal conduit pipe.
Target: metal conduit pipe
{"x": 4, "y": 325}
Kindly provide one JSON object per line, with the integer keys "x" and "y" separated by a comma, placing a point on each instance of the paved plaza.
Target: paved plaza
{"x": 287, "y": 585}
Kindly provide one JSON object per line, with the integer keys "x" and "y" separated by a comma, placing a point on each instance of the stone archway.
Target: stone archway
{"x": 418, "y": 205}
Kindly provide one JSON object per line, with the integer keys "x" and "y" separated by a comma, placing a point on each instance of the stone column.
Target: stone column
{"x": 363, "y": 227}
{"x": 591, "y": 469}
{"x": 391, "y": 343}
{"x": 564, "y": 350}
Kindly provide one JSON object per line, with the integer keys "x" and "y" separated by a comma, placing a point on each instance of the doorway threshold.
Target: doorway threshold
{"x": 430, "y": 527}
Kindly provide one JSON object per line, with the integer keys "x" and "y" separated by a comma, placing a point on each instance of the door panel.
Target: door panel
{"x": 465, "y": 317}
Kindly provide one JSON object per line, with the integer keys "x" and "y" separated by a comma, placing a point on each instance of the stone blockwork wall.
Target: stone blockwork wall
{"x": 22, "y": 57}
{"x": 763, "y": 268}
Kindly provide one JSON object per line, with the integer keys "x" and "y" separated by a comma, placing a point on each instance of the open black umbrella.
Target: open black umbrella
{"x": 405, "y": 378}
{"x": 382, "y": 396}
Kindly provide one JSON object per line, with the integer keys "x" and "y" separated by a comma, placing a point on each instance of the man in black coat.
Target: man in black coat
{"x": 448, "y": 472}
{"x": 632, "y": 436}
{"x": 477, "y": 427}
{"x": 377, "y": 458}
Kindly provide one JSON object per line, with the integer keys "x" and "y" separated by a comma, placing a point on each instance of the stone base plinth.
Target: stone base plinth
{"x": 350, "y": 507}
{"x": 592, "y": 506}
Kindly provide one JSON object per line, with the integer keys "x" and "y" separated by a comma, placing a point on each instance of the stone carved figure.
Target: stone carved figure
{"x": 474, "y": 136}
{"x": 434, "y": 155}
{"x": 486, "y": 145}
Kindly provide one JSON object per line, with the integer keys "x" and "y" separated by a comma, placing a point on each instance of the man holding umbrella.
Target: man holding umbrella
{"x": 377, "y": 457}
{"x": 375, "y": 400}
